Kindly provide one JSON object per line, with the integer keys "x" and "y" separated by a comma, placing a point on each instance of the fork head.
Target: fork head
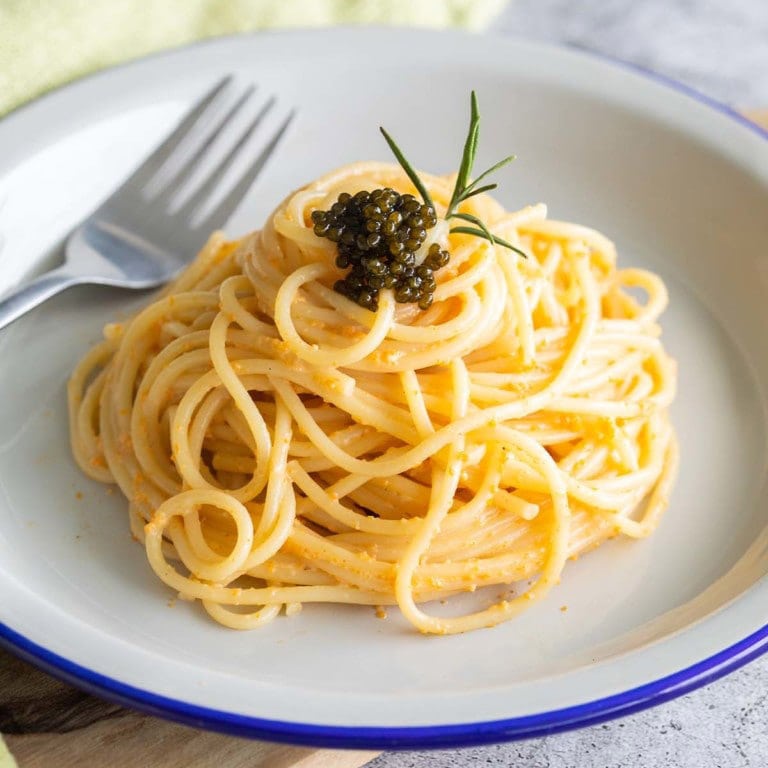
{"x": 137, "y": 238}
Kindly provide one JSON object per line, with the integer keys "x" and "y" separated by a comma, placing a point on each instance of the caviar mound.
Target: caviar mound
{"x": 378, "y": 235}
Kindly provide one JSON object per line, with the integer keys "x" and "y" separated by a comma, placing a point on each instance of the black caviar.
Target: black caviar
{"x": 377, "y": 235}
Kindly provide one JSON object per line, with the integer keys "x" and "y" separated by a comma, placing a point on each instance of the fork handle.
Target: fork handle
{"x": 36, "y": 292}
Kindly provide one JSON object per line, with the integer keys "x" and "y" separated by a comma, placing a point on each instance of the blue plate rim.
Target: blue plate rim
{"x": 375, "y": 737}
{"x": 430, "y": 737}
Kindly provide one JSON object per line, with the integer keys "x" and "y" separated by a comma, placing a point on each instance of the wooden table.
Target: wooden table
{"x": 48, "y": 724}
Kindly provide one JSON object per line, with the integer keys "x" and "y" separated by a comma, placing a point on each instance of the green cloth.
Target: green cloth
{"x": 6, "y": 758}
{"x": 44, "y": 43}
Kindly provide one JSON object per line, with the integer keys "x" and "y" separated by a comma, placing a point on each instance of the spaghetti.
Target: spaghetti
{"x": 279, "y": 444}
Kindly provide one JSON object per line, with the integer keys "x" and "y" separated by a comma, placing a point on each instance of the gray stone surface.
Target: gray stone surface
{"x": 721, "y": 726}
{"x": 719, "y": 47}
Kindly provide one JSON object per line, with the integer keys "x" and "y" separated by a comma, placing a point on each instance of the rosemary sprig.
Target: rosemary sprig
{"x": 463, "y": 189}
{"x": 468, "y": 156}
{"x": 478, "y": 224}
{"x": 408, "y": 168}
{"x": 493, "y": 238}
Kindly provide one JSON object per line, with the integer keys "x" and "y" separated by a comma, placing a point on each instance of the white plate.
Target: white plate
{"x": 681, "y": 188}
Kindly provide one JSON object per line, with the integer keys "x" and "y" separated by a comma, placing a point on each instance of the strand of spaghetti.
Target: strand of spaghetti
{"x": 355, "y": 520}
{"x": 519, "y": 305}
{"x": 252, "y": 620}
{"x": 415, "y": 399}
{"x": 332, "y": 358}
{"x": 185, "y": 354}
{"x": 279, "y": 510}
{"x": 185, "y": 503}
{"x": 244, "y": 404}
{"x": 459, "y": 323}
{"x": 82, "y": 405}
{"x": 444, "y": 485}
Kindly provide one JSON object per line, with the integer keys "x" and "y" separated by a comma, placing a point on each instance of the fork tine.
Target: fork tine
{"x": 224, "y": 209}
{"x": 209, "y": 185}
{"x": 188, "y": 168}
{"x": 150, "y": 166}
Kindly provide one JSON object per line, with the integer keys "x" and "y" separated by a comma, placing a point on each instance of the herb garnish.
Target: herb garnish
{"x": 463, "y": 189}
{"x": 381, "y": 235}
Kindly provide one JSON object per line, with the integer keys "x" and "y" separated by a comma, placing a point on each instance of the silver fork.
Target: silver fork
{"x": 133, "y": 239}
